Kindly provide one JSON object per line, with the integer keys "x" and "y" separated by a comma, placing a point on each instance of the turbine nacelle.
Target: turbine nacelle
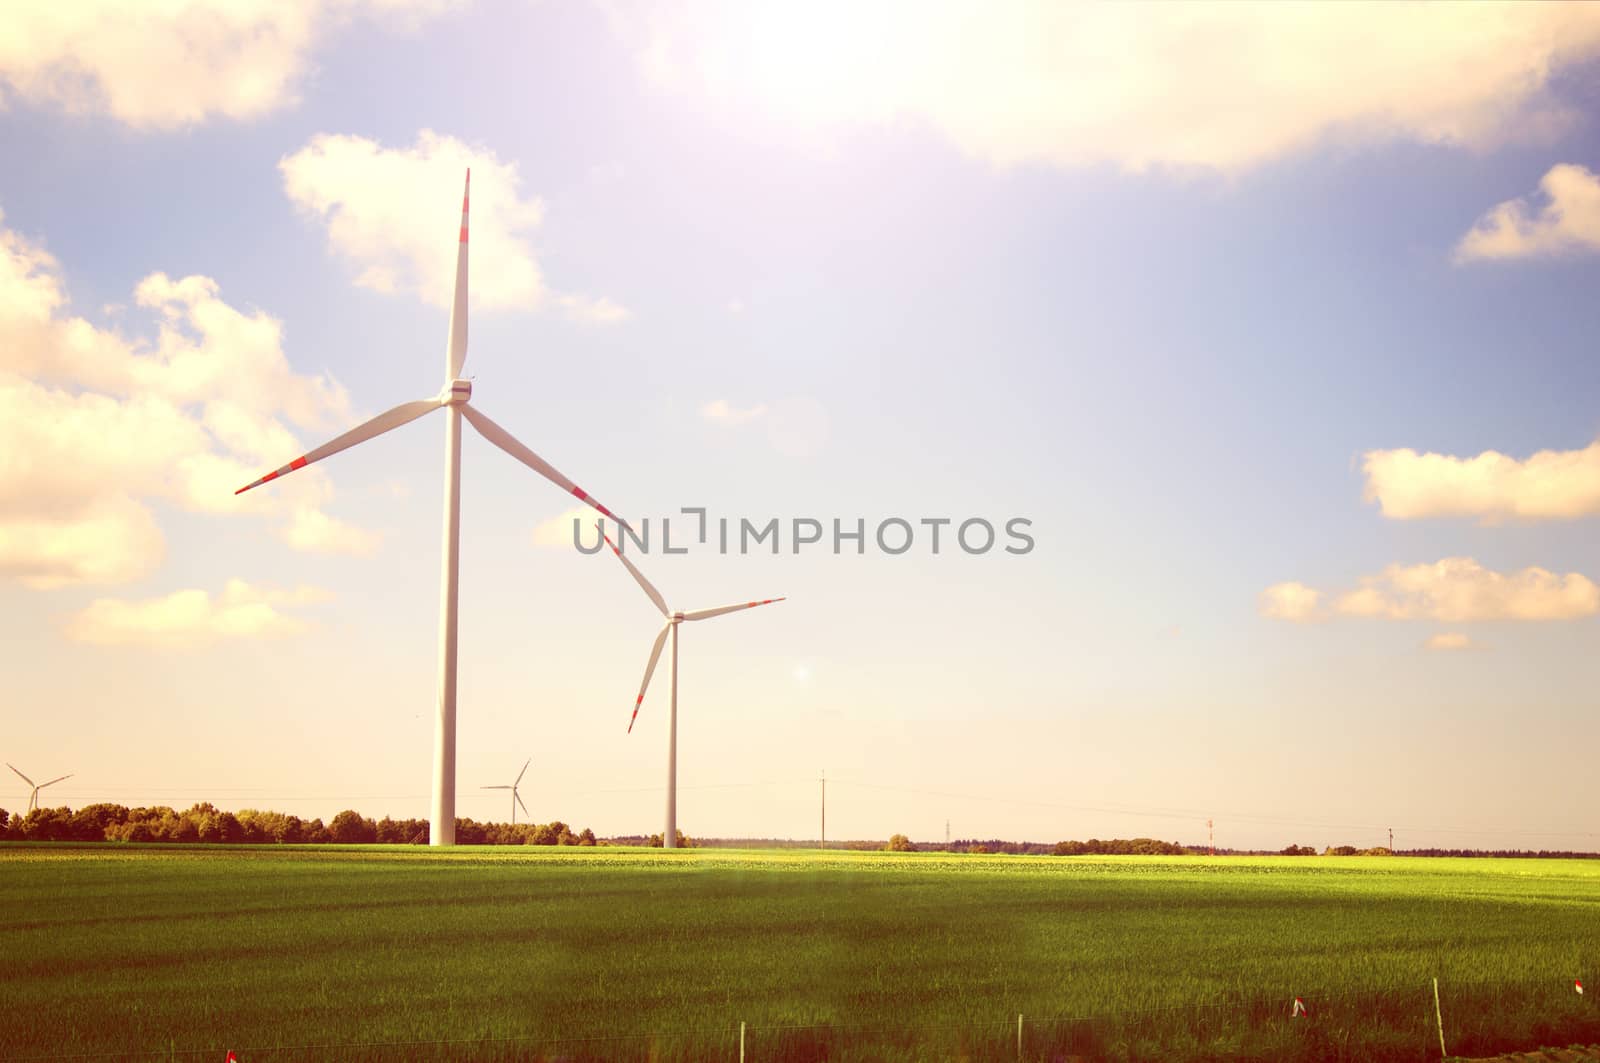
{"x": 459, "y": 393}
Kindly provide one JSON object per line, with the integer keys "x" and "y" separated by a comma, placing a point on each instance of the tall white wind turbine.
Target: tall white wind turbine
{"x": 454, "y": 400}
{"x": 670, "y": 837}
{"x": 33, "y": 798}
{"x": 516, "y": 798}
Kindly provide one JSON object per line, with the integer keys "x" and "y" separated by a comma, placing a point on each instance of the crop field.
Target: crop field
{"x": 565, "y": 953}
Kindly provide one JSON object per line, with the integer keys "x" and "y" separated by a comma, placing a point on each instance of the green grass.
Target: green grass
{"x": 121, "y": 949}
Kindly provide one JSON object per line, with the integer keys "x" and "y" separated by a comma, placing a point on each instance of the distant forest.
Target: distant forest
{"x": 206, "y": 823}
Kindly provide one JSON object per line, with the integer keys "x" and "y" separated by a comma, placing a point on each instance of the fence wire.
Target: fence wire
{"x": 1389, "y": 1022}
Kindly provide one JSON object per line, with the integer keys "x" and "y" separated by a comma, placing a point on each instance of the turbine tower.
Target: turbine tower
{"x": 454, "y": 399}
{"x": 33, "y": 797}
{"x": 516, "y": 799}
{"x": 669, "y": 838}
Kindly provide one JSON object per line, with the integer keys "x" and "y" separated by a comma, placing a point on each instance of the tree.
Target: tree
{"x": 185, "y": 830}
{"x": 288, "y": 831}
{"x": 396, "y": 831}
{"x": 229, "y": 832}
{"x": 349, "y": 828}
{"x": 899, "y": 843}
{"x": 586, "y": 838}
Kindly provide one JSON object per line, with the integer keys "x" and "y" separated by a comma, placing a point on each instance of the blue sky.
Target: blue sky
{"x": 1171, "y": 343}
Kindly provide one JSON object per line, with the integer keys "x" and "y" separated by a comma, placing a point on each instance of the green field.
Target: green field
{"x": 543, "y": 952}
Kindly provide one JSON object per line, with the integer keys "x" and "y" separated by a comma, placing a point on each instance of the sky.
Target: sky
{"x": 1272, "y": 323}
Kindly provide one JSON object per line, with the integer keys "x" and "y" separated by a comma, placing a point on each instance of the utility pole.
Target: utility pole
{"x": 1211, "y": 838}
{"x": 1391, "y": 839}
{"x": 824, "y": 808}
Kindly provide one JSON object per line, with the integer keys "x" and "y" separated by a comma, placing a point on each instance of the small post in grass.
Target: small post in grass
{"x": 1438, "y": 1017}
{"x": 1019, "y": 1035}
{"x": 741, "y": 1042}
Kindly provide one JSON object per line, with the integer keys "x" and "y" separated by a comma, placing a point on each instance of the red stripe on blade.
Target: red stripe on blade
{"x": 298, "y": 463}
{"x": 463, "y": 234}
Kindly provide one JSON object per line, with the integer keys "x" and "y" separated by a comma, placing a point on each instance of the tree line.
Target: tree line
{"x": 204, "y": 822}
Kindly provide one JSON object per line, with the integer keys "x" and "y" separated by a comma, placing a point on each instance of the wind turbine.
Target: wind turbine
{"x": 33, "y": 798}
{"x": 516, "y": 799}
{"x": 670, "y": 838}
{"x": 453, "y": 399}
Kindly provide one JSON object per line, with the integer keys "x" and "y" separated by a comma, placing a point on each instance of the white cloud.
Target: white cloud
{"x": 1451, "y": 640}
{"x": 94, "y": 425}
{"x": 1214, "y": 86}
{"x": 169, "y": 63}
{"x": 313, "y": 531}
{"x": 394, "y": 212}
{"x": 557, "y": 531}
{"x": 108, "y": 540}
{"x": 1566, "y": 222}
{"x": 189, "y": 618}
{"x": 600, "y": 311}
{"x": 722, "y": 412}
{"x": 1454, "y": 590}
{"x": 1550, "y": 485}
{"x": 1290, "y": 601}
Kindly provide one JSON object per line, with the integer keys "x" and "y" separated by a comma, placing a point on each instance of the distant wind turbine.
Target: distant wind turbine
{"x": 670, "y": 837}
{"x": 516, "y": 799}
{"x": 453, "y": 399}
{"x": 33, "y": 798}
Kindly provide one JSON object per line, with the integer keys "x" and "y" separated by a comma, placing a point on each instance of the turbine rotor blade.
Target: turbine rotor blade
{"x": 495, "y": 787}
{"x": 649, "y": 670}
{"x": 521, "y": 773}
{"x": 405, "y": 413}
{"x": 508, "y": 443}
{"x": 21, "y": 776}
{"x": 52, "y": 782}
{"x": 706, "y": 614}
{"x": 649, "y": 589}
{"x": 519, "y": 801}
{"x": 456, "y": 353}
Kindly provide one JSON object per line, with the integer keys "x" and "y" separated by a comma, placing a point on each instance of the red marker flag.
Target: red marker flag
{"x": 231, "y": 1057}
{"x": 1299, "y": 1009}
{"x": 1577, "y": 983}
